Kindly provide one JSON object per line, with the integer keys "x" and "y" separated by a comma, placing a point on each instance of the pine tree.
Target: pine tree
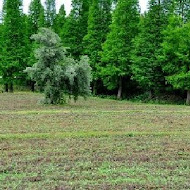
{"x": 14, "y": 54}
{"x": 99, "y": 20}
{"x": 50, "y": 13}
{"x": 75, "y": 27}
{"x": 60, "y": 20}
{"x": 146, "y": 67}
{"x": 116, "y": 55}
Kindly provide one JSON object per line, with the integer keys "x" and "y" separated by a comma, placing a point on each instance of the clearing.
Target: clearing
{"x": 93, "y": 144}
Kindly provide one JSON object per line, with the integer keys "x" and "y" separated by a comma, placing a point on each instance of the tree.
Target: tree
{"x": 176, "y": 55}
{"x": 2, "y": 28}
{"x": 1, "y": 42}
{"x": 3, "y": 12}
{"x": 116, "y": 54}
{"x": 168, "y": 6}
{"x": 182, "y": 8}
{"x": 57, "y": 74}
{"x": 14, "y": 55}
{"x": 36, "y": 20}
{"x": 36, "y": 16}
{"x": 60, "y": 20}
{"x": 146, "y": 67}
{"x": 50, "y": 12}
{"x": 99, "y": 20}
{"x": 75, "y": 27}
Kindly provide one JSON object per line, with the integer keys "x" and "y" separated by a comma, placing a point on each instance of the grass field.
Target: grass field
{"x": 93, "y": 144}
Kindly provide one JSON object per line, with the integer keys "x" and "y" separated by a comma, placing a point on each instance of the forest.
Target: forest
{"x": 131, "y": 55}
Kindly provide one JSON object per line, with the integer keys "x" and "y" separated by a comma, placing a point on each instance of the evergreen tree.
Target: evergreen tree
{"x": 182, "y": 8}
{"x": 116, "y": 55}
{"x": 146, "y": 67}
{"x": 60, "y": 21}
{"x": 14, "y": 54}
{"x": 176, "y": 55}
{"x": 3, "y": 12}
{"x": 36, "y": 20}
{"x": 57, "y": 74}
{"x": 99, "y": 20}
{"x": 1, "y": 43}
{"x": 168, "y": 6}
{"x": 50, "y": 12}
{"x": 36, "y": 16}
{"x": 2, "y": 16}
{"x": 75, "y": 27}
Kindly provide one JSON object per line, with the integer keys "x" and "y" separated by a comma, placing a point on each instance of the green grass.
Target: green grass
{"x": 94, "y": 144}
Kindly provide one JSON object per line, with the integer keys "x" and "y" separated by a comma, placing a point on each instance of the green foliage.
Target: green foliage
{"x": 57, "y": 74}
{"x": 176, "y": 53}
{"x": 75, "y": 27}
{"x": 182, "y": 8}
{"x": 1, "y": 42}
{"x": 116, "y": 55}
{"x": 146, "y": 68}
{"x": 36, "y": 16}
{"x": 125, "y": 55}
{"x": 14, "y": 54}
{"x": 50, "y": 13}
{"x": 60, "y": 21}
{"x": 3, "y": 12}
{"x": 36, "y": 20}
{"x": 99, "y": 20}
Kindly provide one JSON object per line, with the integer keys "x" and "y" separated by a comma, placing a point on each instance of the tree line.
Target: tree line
{"x": 130, "y": 53}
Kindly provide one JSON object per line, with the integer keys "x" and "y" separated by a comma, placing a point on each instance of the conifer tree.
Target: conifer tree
{"x": 99, "y": 20}
{"x": 50, "y": 13}
{"x": 14, "y": 54}
{"x": 146, "y": 67}
{"x": 36, "y": 16}
{"x": 1, "y": 43}
{"x": 3, "y": 11}
{"x": 168, "y": 6}
{"x": 60, "y": 20}
{"x": 75, "y": 27}
{"x": 176, "y": 55}
{"x": 182, "y": 8}
{"x": 36, "y": 20}
{"x": 116, "y": 55}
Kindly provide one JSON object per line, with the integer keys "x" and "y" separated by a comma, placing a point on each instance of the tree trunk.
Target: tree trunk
{"x": 94, "y": 91}
{"x": 188, "y": 98}
{"x": 6, "y": 88}
{"x": 11, "y": 88}
{"x": 150, "y": 96}
{"x": 32, "y": 86}
{"x": 120, "y": 89}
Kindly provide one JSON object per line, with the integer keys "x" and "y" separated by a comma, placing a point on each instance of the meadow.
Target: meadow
{"x": 93, "y": 144}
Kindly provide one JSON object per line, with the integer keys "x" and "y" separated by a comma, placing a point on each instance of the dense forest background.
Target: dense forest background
{"x": 145, "y": 56}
